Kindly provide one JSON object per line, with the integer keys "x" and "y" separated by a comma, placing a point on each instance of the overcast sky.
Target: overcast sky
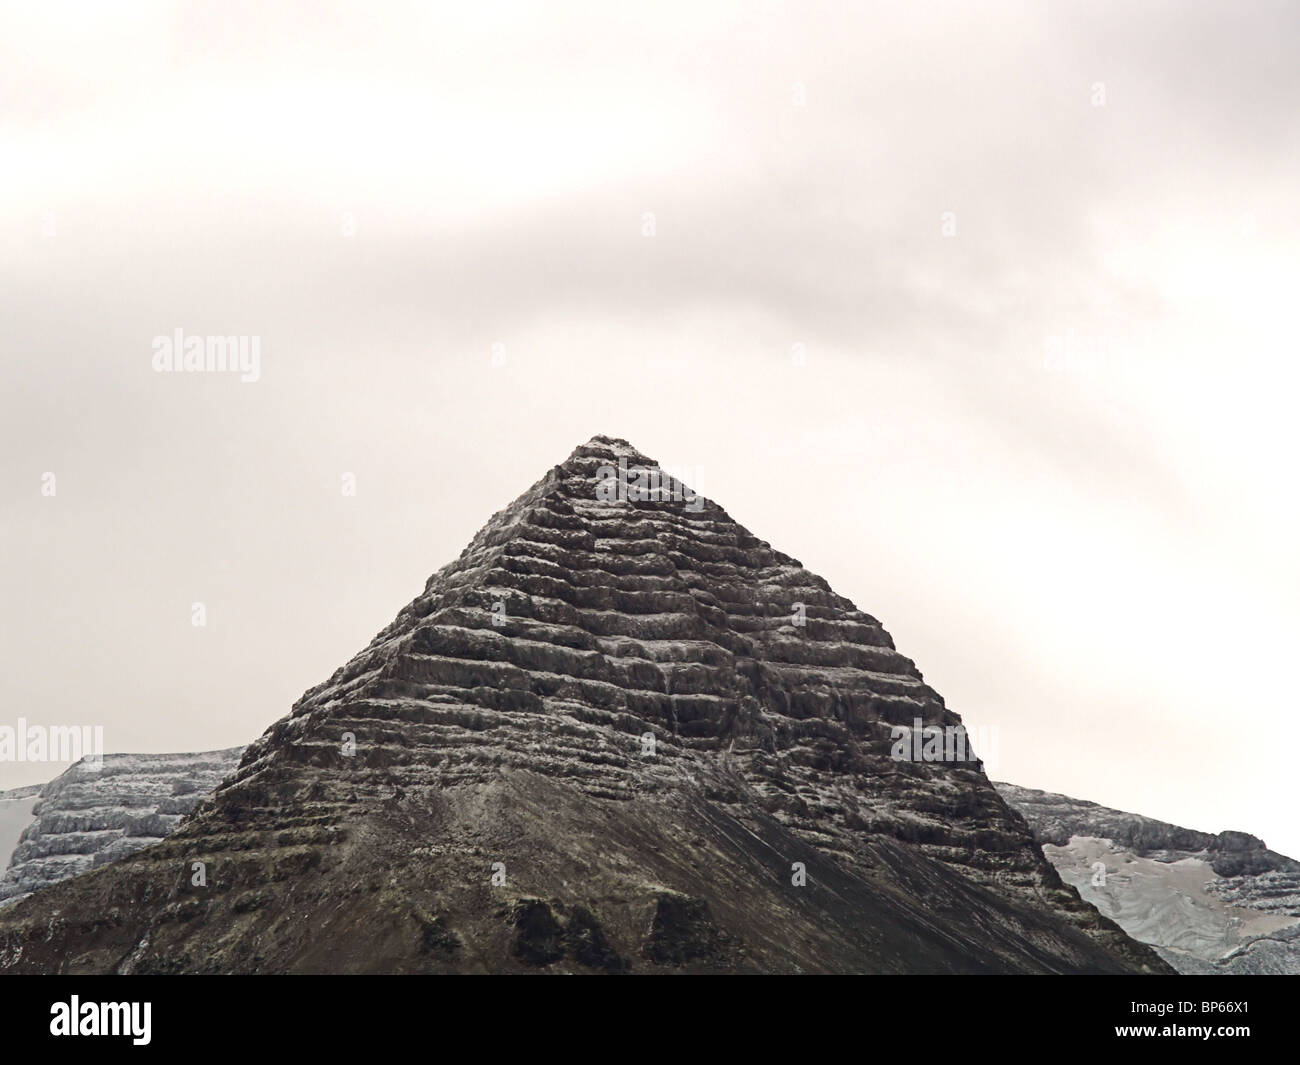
{"x": 986, "y": 314}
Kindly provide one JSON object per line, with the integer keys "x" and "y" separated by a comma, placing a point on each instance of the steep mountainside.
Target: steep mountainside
{"x": 1209, "y": 903}
{"x": 15, "y": 815}
{"x": 618, "y": 733}
{"x": 91, "y": 815}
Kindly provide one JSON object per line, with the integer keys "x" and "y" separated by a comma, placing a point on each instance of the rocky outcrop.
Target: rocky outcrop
{"x": 1209, "y": 903}
{"x": 1056, "y": 818}
{"x": 619, "y": 733}
{"x": 15, "y": 816}
{"x": 98, "y": 812}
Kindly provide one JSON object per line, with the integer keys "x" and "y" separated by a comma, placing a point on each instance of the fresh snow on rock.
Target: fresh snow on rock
{"x": 669, "y": 745}
{"x": 94, "y": 814}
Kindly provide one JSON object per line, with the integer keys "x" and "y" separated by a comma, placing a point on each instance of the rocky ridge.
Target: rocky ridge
{"x": 15, "y": 816}
{"x": 1208, "y": 902}
{"x": 93, "y": 814}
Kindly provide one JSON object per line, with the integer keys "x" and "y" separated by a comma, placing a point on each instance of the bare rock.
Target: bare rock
{"x": 618, "y": 729}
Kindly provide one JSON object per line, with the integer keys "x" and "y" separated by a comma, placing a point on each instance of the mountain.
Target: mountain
{"x": 619, "y": 733}
{"x": 95, "y": 813}
{"x": 1208, "y": 903}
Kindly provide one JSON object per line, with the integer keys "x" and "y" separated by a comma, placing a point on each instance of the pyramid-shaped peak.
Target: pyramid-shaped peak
{"x": 645, "y": 714}
{"x": 608, "y": 469}
{"x": 611, "y": 448}
{"x": 612, "y": 442}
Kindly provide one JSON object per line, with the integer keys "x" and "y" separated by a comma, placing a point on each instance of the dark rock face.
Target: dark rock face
{"x": 539, "y": 935}
{"x": 682, "y": 930}
{"x": 1208, "y": 903}
{"x": 615, "y": 734}
{"x": 587, "y": 945}
{"x": 1239, "y": 854}
{"x": 91, "y": 815}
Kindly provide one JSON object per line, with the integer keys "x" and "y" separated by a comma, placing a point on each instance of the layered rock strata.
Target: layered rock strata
{"x": 1208, "y": 903}
{"x": 618, "y": 734}
{"x": 97, "y": 812}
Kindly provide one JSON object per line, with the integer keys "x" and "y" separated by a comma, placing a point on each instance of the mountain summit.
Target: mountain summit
{"x": 619, "y": 733}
